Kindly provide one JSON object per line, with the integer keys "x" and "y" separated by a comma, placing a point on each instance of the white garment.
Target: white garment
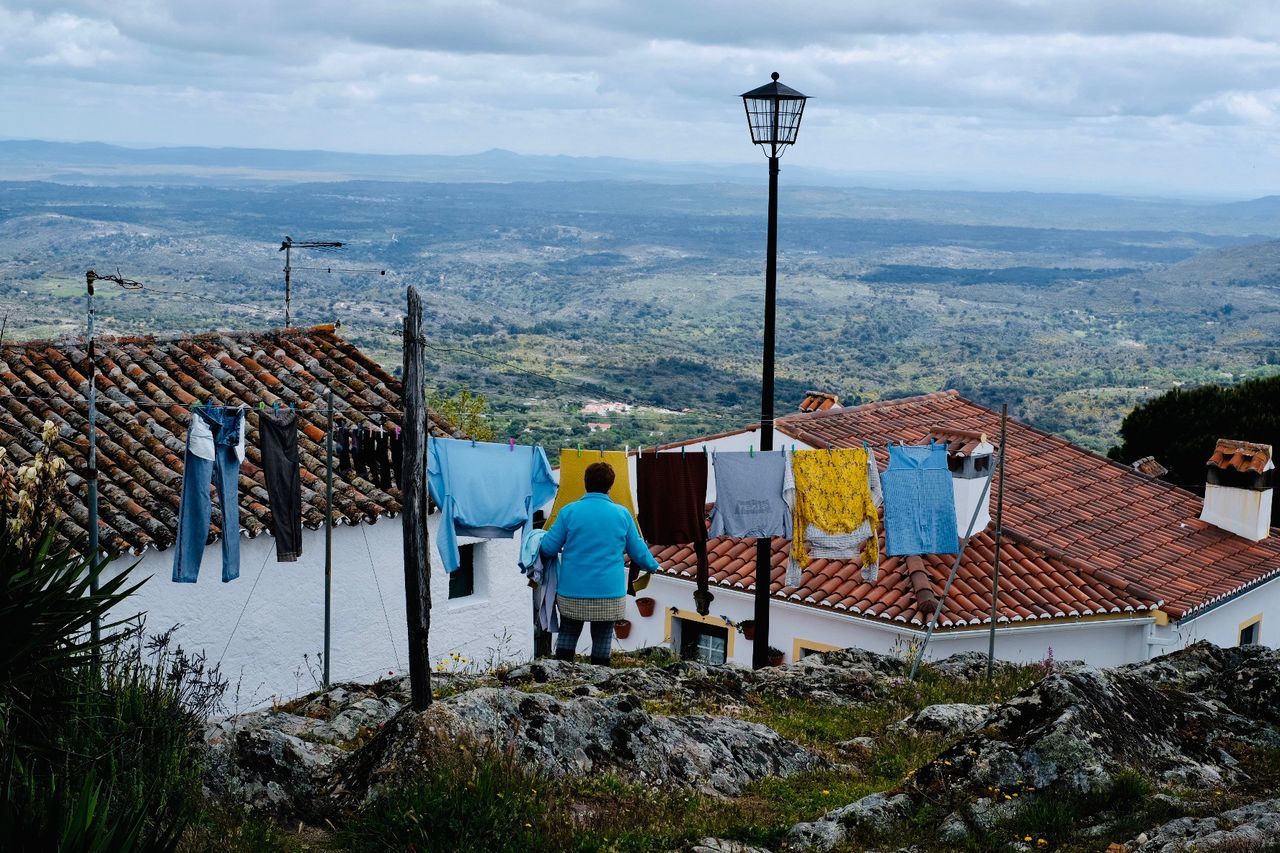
{"x": 200, "y": 441}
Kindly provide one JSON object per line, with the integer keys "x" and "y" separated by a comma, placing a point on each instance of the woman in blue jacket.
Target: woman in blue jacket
{"x": 591, "y": 535}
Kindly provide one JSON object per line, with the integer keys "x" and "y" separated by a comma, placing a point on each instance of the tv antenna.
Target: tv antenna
{"x": 287, "y": 247}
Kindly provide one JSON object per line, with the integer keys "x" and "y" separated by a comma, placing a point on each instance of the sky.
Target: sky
{"x": 1175, "y": 97}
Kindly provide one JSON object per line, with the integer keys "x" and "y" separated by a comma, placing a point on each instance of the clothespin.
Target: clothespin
{"x": 602, "y": 453}
{"x": 275, "y": 408}
{"x": 751, "y": 448}
{"x": 682, "y": 451}
{"x": 397, "y": 432}
{"x": 511, "y": 445}
{"x": 195, "y": 405}
{"x": 262, "y": 407}
{"x": 292, "y": 408}
{"x": 579, "y": 450}
{"x": 866, "y": 447}
{"x": 473, "y": 442}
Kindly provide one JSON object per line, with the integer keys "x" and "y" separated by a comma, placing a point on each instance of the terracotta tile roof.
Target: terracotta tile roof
{"x": 818, "y": 401}
{"x": 140, "y": 447}
{"x": 1076, "y": 502}
{"x": 1149, "y": 466}
{"x": 1243, "y": 456}
{"x": 1034, "y": 582}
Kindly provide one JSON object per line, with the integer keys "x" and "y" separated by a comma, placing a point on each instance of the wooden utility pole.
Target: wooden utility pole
{"x": 417, "y": 560}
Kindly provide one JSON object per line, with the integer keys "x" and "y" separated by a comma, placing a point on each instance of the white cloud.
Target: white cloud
{"x": 1111, "y": 89}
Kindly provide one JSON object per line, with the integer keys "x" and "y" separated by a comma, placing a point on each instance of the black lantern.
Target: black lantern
{"x": 773, "y": 115}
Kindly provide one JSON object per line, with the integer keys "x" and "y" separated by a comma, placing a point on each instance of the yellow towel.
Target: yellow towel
{"x": 833, "y": 494}
{"x": 573, "y": 464}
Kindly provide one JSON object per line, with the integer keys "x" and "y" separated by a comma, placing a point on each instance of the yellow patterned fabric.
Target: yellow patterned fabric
{"x": 833, "y": 494}
{"x": 573, "y": 465}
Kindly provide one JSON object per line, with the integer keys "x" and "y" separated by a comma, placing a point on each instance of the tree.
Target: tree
{"x": 1180, "y": 427}
{"x": 467, "y": 411}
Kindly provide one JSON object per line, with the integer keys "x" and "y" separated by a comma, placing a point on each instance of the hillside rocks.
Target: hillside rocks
{"x": 950, "y": 720}
{"x": 1252, "y": 827}
{"x": 1178, "y": 719}
{"x": 579, "y": 736}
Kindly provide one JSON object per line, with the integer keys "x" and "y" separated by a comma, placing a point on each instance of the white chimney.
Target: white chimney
{"x": 971, "y": 458}
{"x": 1237, "y": 492}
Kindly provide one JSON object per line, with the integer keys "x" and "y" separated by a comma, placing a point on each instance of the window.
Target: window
{"x": 703, "y": 643}
{"x": 1250, "y": 630}
{"x": 462, "y": 582}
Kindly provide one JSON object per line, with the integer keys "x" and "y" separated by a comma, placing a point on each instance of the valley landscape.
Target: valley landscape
{"x": 547, "y": 292}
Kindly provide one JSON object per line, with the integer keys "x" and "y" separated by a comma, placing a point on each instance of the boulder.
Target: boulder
{"x": 1252, "y": 827}
{"x": 1074, "y": 729}
{"x": 870, "y": 816}
{"x": 950, "y": 721}
{"x": 577, "y": 736}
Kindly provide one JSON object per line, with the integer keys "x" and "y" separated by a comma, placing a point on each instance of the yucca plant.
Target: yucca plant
{"x": 99, "y": 749}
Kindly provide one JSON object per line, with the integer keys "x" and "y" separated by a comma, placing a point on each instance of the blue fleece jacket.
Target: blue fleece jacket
{"x": 592, "y": 534}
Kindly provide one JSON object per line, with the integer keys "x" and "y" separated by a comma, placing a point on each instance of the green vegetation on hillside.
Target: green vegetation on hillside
{"x": 1180, "y": 428}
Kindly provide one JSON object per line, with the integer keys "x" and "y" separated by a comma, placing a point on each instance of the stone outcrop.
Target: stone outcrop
{"x": 1187, "y": 720}
{"x": 1252, "y": 827}
{"x": 582, "y": 735}
{"x": 1183, "y": 719}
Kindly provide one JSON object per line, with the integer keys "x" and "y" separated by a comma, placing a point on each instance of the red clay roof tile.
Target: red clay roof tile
{"x": 1084, "y": 533}
{"x": 141, "y": 447}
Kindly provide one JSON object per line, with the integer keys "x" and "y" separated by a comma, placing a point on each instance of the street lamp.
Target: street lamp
{"x": 773, "y": 116}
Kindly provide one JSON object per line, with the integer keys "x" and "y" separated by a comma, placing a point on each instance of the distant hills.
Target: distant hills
{"x": 738, "y": 186}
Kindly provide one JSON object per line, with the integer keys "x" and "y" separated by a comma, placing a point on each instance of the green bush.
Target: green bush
{"x": 99, "y": 740}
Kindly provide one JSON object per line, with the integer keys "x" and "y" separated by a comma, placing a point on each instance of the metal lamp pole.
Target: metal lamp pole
{"x": 773, "y": 116}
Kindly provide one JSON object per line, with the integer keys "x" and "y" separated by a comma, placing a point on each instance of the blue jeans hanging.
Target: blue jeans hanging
{"x": 195, "y": 506}
{"x": 919, "y": 502}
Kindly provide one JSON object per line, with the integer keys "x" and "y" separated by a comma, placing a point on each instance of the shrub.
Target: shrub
{"x": 473, "y": 798}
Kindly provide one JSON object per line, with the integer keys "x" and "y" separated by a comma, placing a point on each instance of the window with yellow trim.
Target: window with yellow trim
{"x": 1251, "y": 631}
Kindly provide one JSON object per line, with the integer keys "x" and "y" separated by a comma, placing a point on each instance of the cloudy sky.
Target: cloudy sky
{"x": 1172, "y": 97}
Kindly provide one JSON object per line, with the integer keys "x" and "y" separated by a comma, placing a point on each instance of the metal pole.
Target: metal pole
{"x": 764, "y": 546}
{"x": 995, "y": 575}
{"x": 417, "y": 560}
{"x": 91, "y": 475}
{"x": 328, "y": 533}
{"x": 955, "y": 567}
{"x": 287, "y": 288}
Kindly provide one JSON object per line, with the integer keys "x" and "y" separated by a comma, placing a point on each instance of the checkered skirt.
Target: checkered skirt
{"x": 592, "y": 609}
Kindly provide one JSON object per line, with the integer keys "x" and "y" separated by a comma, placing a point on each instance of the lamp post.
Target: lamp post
{"x": 773, "y": 116}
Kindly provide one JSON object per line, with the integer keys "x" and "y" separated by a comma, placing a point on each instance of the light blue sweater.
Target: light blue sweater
{"x": 591, "y": 534}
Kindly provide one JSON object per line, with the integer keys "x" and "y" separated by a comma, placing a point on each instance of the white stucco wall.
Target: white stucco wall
{"x": 1103, "y": 643}
{"x": 282, "y": 619}
{"x": 1222, "y": 624}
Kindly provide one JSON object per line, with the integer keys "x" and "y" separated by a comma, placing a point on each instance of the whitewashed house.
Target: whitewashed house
{"x": 266, "y": 628}
{"x": 1099, "y": 562}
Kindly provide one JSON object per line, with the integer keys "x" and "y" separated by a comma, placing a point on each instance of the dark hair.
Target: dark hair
{"x": 599, "y": 477}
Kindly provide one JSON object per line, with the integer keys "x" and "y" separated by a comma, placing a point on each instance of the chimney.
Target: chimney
{"x": 818, "y": 401}
{"x": 971, "y": 458}
{"x": 1237, "y": 492}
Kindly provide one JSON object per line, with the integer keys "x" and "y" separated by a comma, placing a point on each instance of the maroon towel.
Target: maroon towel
{"x": 671, "y": 498}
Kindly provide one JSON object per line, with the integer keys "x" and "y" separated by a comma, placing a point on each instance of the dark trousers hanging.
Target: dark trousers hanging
{"x": 343, "y": 442}
{"x": 396, "y": 445}
{"x": 671, "y": 496}
{"x": 278, "y": 442}
{"x": 381, "y": 460}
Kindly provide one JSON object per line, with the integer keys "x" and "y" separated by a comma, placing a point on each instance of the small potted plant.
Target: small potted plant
{"x": 775, "y": 656}
{"x": 645, "y": 606}
{"x": 622, "y": 628}
{"x": 748, "y": 629}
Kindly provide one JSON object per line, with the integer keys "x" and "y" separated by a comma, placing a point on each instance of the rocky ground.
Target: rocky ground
{"x": 1178, "y": 754}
